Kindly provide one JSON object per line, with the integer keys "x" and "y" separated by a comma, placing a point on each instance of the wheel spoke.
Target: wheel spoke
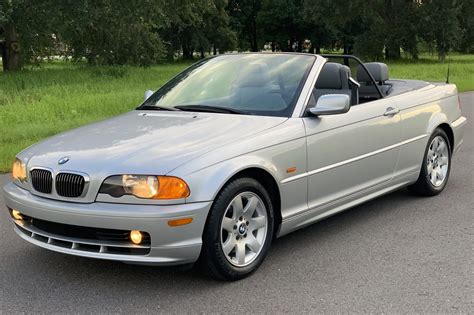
{"x": 430, "y": 168}
{"x": 252, "y": 243}
{"x": 432, "y": 178}
{"x": 237, "y": 206}
{"x": 441, "y": 146}
{"x": 228, "y": 245}
{"x": 257, "y": 223}
{"x": 251, "y": 206}
{"x": 228, "y": 224}
{"x": 435, "y": 144}
{"x": 240, "y": 253}
{"x": 430, "y": 153}
{"x": 443, "y": 160}
{"x": 438, "y": 175}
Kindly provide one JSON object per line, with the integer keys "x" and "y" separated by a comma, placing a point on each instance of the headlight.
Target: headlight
{"x": 145, "y": 186}
{"x": 19, "y": 170}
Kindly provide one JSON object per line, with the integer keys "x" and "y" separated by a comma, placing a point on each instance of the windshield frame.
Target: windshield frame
{"x": 288, "y": 112}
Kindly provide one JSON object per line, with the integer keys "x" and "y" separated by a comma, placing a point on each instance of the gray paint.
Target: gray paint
{"x": 341, "y": 160}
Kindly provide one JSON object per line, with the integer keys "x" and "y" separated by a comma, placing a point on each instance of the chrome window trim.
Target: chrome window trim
{"x": 305, "y": 94}
{"x": 354, "y": 159}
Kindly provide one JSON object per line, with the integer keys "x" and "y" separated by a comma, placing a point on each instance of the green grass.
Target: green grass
{"x": 41, "y": 102}
{"x": 429, "y": 69}
{"x": 35, "y": 104}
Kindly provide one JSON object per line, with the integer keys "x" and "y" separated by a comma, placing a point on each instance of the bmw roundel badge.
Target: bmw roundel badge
{"x": 63, "y": 160}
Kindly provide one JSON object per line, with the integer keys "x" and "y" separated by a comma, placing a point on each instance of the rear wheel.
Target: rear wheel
{"x": 436, "y": 166}
{"x": 239, "y": 230}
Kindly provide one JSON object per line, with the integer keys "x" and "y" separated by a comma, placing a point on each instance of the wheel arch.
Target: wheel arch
{"x": 268, "y": 181}
{"x": 449, "y": 132}
{"x": 440, "y": 120}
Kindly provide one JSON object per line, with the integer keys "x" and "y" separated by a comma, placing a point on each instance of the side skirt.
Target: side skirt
{"x": 316, "y": 214}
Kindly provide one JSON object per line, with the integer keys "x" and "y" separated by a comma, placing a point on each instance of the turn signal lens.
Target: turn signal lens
{"x": 17, "y": 215}
{"x": 136, "y": 237}
{"x": 19, "y": 170}
{"x": 172, "y": 188}
{"x": 179, "y": 222}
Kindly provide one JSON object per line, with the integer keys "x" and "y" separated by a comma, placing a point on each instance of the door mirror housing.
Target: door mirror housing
{"x": 331, "y": 104}
{"x": 148, "y": 93}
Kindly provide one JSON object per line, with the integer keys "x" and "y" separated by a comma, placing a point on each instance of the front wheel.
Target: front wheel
{"x": 436, "y": 166}
{"x": 239, "y": 230}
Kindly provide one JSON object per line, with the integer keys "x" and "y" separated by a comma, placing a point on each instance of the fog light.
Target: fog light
{"x": 17, "y": 215}
{"x": 136, "y": 237}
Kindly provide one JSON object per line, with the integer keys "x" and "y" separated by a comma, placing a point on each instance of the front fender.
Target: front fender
{"x": 207, "y": 182}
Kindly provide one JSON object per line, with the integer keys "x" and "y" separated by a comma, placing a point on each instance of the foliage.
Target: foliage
{"x": 444, "y": 36}
{"x": 198, "y": 25}
{"x": 112, "y": 32}
{"x": 146, "y": 32}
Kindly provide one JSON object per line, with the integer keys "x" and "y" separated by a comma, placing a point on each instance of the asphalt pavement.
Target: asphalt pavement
{"x": 398, "y": 253}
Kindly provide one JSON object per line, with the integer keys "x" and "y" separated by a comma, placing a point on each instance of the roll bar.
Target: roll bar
{"x": 346, "y": 62}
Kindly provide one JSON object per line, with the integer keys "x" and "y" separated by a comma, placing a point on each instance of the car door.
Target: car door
{"x": 350, "y": 153}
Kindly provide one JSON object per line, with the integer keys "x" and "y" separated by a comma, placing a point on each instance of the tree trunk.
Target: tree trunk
{"x": 253, "y": 36}
{"x": 202, "y": 53}
{"x": 392, "y": 51}
{"x": 214, "y": 52}
{"x": 10, "y": 49}
{"x": 442, "y": 54}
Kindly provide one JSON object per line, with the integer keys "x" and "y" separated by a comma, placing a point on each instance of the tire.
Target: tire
{"x": 230, "y": 234}
{"x": 437, "y": 156}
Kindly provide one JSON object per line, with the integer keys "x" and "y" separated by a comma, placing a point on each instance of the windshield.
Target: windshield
{"x": 256, "y": 84}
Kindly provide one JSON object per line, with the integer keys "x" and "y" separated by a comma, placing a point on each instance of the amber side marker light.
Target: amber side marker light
{"x": 180, "y": 222}
{"x": 17, "y": 215}
{"x": 136, "y": 237}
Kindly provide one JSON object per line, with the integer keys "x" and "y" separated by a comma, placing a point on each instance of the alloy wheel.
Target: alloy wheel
{"x": 437, "y": 161}
{"x": 244, "y": 229}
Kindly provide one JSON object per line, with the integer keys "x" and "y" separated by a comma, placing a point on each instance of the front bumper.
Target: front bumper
{"x": 168, "y": 246}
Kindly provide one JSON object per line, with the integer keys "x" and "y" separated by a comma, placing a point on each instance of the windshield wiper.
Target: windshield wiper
{"x": 211, "y": 109}
{"x": 153, "y": 107}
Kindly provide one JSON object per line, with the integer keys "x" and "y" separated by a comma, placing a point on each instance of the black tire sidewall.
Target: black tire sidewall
{"x": 212, "y": 254}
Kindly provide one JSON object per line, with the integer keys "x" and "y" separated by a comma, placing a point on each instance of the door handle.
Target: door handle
{"x": 390, "y": 111}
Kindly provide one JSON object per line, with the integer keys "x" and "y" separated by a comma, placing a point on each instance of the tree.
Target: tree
{"x": 25, "y": 31}
{"x": 244, "y": 14}
{"x": 398, "y": 25}
{"x": 198, "y": 25}
{"x": 347, "y": 19}
{"x": 466, "y": 21}
{"x": 113, "y": 32}
{"x": 283, "y": 23}
{"x": 440, "y": 25}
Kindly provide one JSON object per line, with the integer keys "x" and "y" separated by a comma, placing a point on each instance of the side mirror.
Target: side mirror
{"x": 148, "y": 93}
{"x": 331, "y": 104}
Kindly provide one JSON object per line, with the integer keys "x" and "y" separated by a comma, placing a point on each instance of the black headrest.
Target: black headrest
{"x": 378, "y": 70}
{"x": 333, "y": 76}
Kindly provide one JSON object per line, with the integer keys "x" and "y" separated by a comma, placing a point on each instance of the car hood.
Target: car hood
{"x": 144, "y": 142}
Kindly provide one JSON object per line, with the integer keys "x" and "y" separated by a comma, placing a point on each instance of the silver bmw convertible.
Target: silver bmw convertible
{"x": 231, "y": 153}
